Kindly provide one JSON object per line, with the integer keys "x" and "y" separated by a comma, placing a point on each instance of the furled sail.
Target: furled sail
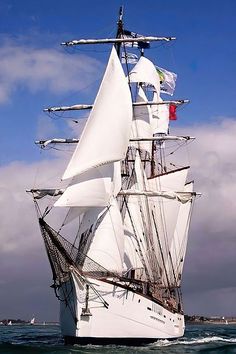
{"x": 41, "y": 193}
{"x": 182, "y": 197}
{"x": 107, "y": 131}
{"x": 145, "y": 71}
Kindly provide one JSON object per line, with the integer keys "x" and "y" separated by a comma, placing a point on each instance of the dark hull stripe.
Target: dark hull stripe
{"x": 69, "y": 340}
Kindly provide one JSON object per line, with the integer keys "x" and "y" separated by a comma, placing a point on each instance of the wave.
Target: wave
{"x": 193, "y": 341}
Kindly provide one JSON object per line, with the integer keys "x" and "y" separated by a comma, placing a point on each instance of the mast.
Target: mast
{"x": 119, "y": 30}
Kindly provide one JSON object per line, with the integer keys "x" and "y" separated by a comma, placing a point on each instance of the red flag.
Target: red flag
{"x": 172, "y": 112}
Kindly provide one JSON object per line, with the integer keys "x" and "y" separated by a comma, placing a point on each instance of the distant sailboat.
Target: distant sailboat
{"x": 32, "y": 321}
{"x": 9, "y": 323}
{"x": 225, "y": 320}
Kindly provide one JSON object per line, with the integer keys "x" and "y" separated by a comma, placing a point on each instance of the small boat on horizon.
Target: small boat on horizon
{"x": 32, "y": 321}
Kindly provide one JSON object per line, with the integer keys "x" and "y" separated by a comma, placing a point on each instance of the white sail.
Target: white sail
{"x": 107, "y": 244}
{"x": 133, "y": 223}
{"x": 89, "y": 220}
{"x": 145, "y": 72}
{"x": 134, "y": 229}
{"x": 165, "y": 211}
{"x": 74, "y": 213}
{"x": 160, "y": 116}
{"x": 137, "y": 227}
{"x": 107, "y": 131}
{"x": 93, "y": 188}
{"x": 141, "y": 125}
{"x": 179, "y": 243}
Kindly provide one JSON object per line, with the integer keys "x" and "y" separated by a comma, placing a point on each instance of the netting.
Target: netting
{"x": 62, "y": 254}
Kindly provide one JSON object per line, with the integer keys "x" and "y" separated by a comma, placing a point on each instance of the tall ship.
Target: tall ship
{"x": 125, "y": 206}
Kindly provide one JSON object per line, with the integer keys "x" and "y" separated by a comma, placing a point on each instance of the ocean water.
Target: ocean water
{"x": 23, "y": 339}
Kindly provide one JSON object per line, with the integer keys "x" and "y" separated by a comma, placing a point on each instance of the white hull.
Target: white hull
{"x": 129, "y": 319}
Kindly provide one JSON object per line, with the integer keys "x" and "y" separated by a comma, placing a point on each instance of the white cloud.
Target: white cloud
{"x": 216, "y": 302}
{"x": 213, "y": 166}
{"x": 211, "y": 252}
{"x": 24, "y": 269}
{"x": 39, "y": 69}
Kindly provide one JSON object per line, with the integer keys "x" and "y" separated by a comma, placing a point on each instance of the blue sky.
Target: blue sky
{"x": 203, "y": 55}
{"x": 36, "y": 72}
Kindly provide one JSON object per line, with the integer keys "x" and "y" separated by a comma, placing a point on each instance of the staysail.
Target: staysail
{"x": 107, "y": 131}
{"x": 93, "y": 188}
{"x": 102, "y": 237}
